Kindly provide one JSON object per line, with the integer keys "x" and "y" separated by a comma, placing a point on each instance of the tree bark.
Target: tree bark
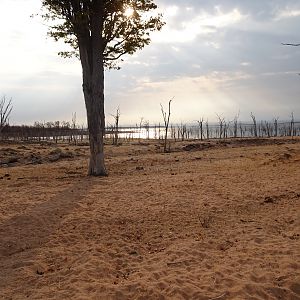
{"x": 91, "y": 47}
{"x": 94, "y": 102}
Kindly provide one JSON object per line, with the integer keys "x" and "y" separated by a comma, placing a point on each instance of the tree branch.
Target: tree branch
{"x": 288, "y": 44}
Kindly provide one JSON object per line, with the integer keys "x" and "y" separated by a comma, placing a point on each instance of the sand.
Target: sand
{"x": 206, "y": 221}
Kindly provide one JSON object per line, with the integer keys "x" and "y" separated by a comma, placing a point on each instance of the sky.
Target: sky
{"x": 215, "y": 57}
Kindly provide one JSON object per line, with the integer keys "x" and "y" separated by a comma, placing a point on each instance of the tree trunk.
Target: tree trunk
{"x": 91, "y": 48}
{"x": 93, "y": 89}
{"x": 94, "y": 102}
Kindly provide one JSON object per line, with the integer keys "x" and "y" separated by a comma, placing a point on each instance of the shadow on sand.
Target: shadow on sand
{"x": 21, "y": 235}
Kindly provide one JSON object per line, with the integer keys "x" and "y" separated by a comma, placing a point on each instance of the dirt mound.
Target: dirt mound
{"x": 11, "y": 157}
{"x": 197, "y": 146}
{"x": 58, "y": 153}
{"x": 235, "y": 143}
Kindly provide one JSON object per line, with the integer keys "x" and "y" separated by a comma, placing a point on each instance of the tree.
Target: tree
{"x": 200, "y": 123}
{"x": 254, "y": 124}
{"x": 116, "y": 127}
{"x": 100, "y": 32}
{"x": 166, "y": 117}
{"x": 5, "y": 111}
{"x": 222, "y": 126}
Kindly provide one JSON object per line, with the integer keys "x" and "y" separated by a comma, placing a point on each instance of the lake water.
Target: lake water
{"x": 181, "y": 131}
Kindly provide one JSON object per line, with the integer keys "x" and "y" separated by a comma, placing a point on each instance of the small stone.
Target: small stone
{"x": 39, "y": 272}
{"x": 269, "y": 200}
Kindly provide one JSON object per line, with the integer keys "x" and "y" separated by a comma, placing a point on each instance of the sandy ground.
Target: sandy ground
{"x": 207, "y": 221}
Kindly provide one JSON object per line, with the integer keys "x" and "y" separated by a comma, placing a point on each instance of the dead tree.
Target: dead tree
{"x": 173, "y": 133}
{"x": 182, "y": 131}
{"x": 155, "y": 133}
{"x": 166, "y": 117}
{"x": 225, "y": 130}
{"x": 235, "y": 125}
{"x": 140, "y": 128}
{"x": 292, "y": 125}
{"x": 254, "y": 124}
{"x": 159, "y": 135}
{"x": 5, "y": 111}
{"x": 222, "y": 126}
{"x": 242, "y": 131}
{"x": 268, "y": 129}
{"x": 207, "y": 129}
{"x": 116, "y": 127}
{"x": 56, "y": 129}
{"x": 276, "y": 126}
{"x": 147, "y": 128}
{"x": 74, "y": 127}
{"x": 200, "y": 123}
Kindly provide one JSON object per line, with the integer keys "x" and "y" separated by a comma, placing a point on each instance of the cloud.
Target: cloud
{"x": 288, "y": 13}
{"x": 202, "y": 24}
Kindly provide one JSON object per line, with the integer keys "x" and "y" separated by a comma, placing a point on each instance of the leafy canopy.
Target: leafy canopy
{"x": 121, "y": 32}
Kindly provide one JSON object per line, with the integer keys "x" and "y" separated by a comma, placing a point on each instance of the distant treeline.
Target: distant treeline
{"x": 72, "y": 133}
{"x": 54, "y": 131}
{"x": 205, "y": 130}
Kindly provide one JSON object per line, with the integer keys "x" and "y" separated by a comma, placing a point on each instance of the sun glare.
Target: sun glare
{"x": 128, "y": 12}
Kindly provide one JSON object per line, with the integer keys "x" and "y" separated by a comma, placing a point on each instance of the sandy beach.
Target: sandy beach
{"x": 210, "y": 220}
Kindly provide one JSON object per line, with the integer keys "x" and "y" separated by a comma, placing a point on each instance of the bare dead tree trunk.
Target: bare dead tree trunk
{"x": 155, "y": 133}
{"x": 173, "y": 133}
{"x": 166, "y": 118}
{"x": 207, "y": 130}
{"x": 268, "y": 129}
{"x": 158, "y": 131}
{"x": 116, "y": 127}
{"x": 140, "y": 128}
{"x": 235, "y": 125}
{"x": 182, "y": 132}
{"x": 221, "y": 126}
{"x": 276, "y": 126}
{"x": 254, "y": 124}
{"x": 241, "y": 130}
{"x": 56, "y": 131}
{"x": 73, "y": 130}
{"x": 225, "y": 131}
{"x": 5, "y": 111}
{"x": 292, "y": 124}
{"x": 147, "y": 128}
{"x": 200, "y": 123}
